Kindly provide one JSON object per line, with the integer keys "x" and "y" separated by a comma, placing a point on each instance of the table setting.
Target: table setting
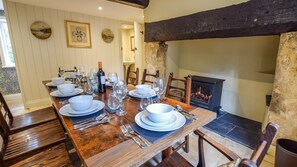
{"x": 155, "y": 123}
{"x": 57, "y": 81}
{"x": 66, "y": 90}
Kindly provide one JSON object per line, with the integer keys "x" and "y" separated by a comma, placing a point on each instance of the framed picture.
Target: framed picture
{"x": 107, "y": 35}
{"x": 41, "y": 30}
{"x": 78, "y": 34}
{"x": 132, "y": 44}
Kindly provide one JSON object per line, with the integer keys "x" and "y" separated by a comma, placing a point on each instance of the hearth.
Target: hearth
{"x": 206, "y": 92}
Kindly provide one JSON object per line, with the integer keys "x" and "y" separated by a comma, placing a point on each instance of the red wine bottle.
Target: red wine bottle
{"x": 101, "y": 79}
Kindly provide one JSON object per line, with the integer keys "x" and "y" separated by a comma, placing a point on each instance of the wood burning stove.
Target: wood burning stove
{"x": 206, "y": 92}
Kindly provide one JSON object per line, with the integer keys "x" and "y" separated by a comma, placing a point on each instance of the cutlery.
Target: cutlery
{"x": 106, "y": 119}
{"x": 81, "y": 123}
{"x": 186, "y": 114}
{"x": 132, "y": 132}
{"x": 127, "y": 134}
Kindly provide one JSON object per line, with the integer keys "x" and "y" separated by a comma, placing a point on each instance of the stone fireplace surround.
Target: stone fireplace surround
{"x": 283, "y": 107}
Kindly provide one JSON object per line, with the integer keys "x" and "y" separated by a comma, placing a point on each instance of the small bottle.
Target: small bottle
{"x": 101, "y": 79}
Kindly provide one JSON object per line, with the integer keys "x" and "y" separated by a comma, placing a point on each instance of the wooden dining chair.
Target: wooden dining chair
{"x": 175, "y": 159}
{"x": 56, "y": 156}
{"x": 146, "y": 75}
{"x": 24, "y": 144}
{"x": 28, "y": 120}
{"x": 132, "y": 76}
{"x": 181, "y": 94}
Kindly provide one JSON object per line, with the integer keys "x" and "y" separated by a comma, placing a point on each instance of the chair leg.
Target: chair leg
{"x": 187, "y": 144}
{"x": 201, "y": 162}
{"x": 166, "y": 153}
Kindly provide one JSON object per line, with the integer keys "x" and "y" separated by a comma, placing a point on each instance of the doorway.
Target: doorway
{"x": 9, "y": 85}
{"x": 128, "y": 47}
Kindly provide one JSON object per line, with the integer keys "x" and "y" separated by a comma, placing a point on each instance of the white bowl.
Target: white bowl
{"x": 66, "y": 88}
{"x": 58, "y": 80}
{"x": 143, "y": 89}
{"x": 159, "y": 112}
{"x": 81, "y": 103}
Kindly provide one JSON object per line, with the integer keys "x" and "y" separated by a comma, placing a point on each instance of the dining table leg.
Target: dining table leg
{"x": 166, "y": 153}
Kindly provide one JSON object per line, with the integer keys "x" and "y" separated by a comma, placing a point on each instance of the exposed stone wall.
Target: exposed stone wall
{"x": 155, "y": 57}
{"x": 283, "y": 107}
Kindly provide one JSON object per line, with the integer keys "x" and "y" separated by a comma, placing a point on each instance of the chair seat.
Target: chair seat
{"x": 176, "y": 160}
{"x": 28, "y": 141}
{"x": 54, "y": 157}
{"x": 31, "y": 119}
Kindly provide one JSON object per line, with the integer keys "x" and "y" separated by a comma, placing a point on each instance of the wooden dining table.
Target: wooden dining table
{"x": 106, "y": 145}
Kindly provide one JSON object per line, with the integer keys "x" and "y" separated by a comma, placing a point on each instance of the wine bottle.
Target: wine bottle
{"x": 101, "y": 79}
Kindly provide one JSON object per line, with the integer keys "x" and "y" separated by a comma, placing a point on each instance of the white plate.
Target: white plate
{"x": 94, "y": 106}
{"x": 54, "y": 85}
{"x": 57, "y": 93}
{"x": 134, "y": 93}
{"x": 145, "y": 119}
{"x": 180, "y": 121}
{"x": 67, "y": 110}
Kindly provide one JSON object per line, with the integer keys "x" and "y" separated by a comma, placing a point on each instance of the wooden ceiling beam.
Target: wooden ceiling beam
{"x": 253, "y": 18}
{"x": 135, "y": 3}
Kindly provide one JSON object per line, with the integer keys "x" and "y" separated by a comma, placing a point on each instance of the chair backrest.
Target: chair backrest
{"x": 146, "y": 75}
{"x": 181, "y": 94}
{"x": 4, "y": 110}
{"x": 4, "y": 127}
{"x": 265, "y": 142}
{"x": 3, "y": 145}
{"x": 132, "y": 76}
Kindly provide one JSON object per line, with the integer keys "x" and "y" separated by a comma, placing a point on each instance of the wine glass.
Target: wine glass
{"x": 144, "y": 102}
{"x": 113, "y": 102}
{"x": 113, "y": 79}
{"x": 121, "y": 92}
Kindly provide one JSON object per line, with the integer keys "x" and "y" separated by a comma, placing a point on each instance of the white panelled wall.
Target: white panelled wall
{"x": 38, "y": 60}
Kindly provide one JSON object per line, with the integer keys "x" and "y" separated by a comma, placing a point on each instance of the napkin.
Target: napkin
{"x": 153, "y": 136}
{"x": 77, "y": 120}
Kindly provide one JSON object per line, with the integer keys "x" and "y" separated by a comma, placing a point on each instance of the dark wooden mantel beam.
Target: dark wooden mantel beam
{"x": 135, "y": 3}
{"x": 253, "y": 18}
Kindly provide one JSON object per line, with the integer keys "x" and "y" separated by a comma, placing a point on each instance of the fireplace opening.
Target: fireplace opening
{"x": 206, "y": 92}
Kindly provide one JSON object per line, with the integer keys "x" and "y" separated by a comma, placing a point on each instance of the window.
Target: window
{"x": 5, "y": 45}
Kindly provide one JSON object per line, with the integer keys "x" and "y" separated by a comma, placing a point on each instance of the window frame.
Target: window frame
{"x": 4, "y": 53}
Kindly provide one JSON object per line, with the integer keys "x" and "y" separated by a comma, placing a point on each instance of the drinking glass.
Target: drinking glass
{"x": 158, "y": 87}
{"x": 121, "y": 92}
{"x": 89, "y": 87}
{"x": 113, "y": 79}
{"x": 79, "y": 75}
{"x": 113, "y": 102}
{"x": 144, "y": 102}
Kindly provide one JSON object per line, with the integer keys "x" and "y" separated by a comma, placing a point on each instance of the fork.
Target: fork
{"x": 84, "y": 123}
{"x": 132, "y": 132}
{"x": 106, "y": 119}
{"x": 127, "y": 134}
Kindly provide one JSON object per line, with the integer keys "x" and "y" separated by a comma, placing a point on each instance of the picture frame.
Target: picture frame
{"x": 132, "y": 44}
{"x": 41, "y": 30}
{"x": 78, "y": 34}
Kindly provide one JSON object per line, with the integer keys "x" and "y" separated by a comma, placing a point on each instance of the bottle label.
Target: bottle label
{"x": 102, "y": 79}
